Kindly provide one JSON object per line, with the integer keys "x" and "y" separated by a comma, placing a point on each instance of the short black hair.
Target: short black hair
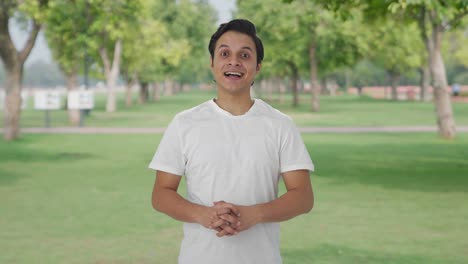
{"x": 242, "y": 26}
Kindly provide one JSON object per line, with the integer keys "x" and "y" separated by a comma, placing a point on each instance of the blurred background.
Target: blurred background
{"x": 379, "y": 90}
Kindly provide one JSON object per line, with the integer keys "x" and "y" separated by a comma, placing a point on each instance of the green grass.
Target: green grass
{"x": 380, "y": 198}
{"x": 347, "y": 110}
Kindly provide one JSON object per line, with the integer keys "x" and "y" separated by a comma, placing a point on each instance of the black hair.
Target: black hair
{"x": 242, "y": 26}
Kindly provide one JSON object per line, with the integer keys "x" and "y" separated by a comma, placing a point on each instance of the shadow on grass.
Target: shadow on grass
{"x": 19, "y": 153}
{"x": 337, "y": 254}
{"x": 9, "y": 177}
{"x": 24, "y": 154}
{"x": 342, "y": 104}
{"x": 437, "y": 167}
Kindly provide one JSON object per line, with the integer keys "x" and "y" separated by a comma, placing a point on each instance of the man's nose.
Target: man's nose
{"x": 234, "y": 61}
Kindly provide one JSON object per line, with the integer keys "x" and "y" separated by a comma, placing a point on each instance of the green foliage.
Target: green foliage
{"x": 190, "y": 23}
{"x": 67, "y": 33}
{"x": 198, "y": 19}
{"x": 31, "y": 9}
{"x": 288, "y": 30}
{"x": 443, "y": 13}
{"x": 397, "y": 47}
{"x": 170, "y": 41}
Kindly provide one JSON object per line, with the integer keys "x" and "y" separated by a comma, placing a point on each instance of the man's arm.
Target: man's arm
{"x": 165, "y": 199}
{"x": 298, "y": 199}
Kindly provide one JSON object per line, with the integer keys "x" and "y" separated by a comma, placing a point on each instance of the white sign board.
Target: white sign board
{"x": 80, "y": 100}
{"x": 2, "y": 99}
{"x": 46, "y": 100}
{"x": 24, "y": 99}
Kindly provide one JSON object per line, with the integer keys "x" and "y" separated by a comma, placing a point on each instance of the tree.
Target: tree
{"x": 65, "y": 30}
{"x": 284, "y": 42}
{"x": 109, "y": 22}
{"x": 303, "y": 36}
{"x": 33, "y": 12}
{"x": 434, "y": 18}
{"x": 195, "y": 22}
{"x": 146, "y": 46}
{"x": 395, "y": 47}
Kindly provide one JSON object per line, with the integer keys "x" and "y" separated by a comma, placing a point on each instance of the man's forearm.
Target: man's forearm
{"x": 289, "y": 205}
{"x": 173, "y": 204}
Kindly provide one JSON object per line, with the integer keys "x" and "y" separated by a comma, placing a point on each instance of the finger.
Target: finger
{"x": 228, "y": 230}
{"x": 217, "y": 223}
{"x": 231, "y": 219}
{"x": 222, "y": 211}
{"x": 221, "y": 233}
{"x": 224, "y": 206}
{"x": 235, "y": 210}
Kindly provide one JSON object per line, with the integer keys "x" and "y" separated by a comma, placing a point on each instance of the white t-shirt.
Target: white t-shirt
{"x": 237, "y": 159}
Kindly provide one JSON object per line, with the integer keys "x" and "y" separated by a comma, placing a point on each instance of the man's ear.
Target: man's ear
{"x": 211, "y": 61}
{"x": 259, "y": 66}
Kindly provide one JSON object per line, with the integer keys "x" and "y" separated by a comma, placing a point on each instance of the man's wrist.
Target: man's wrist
{"x": 198, "y": 213}
{"x": 259, "y": 212}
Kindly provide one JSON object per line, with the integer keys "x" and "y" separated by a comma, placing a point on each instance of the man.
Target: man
{"x": 233, "y": 151}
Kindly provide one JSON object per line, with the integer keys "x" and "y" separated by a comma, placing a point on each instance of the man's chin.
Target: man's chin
{"x": 234, "y": 89}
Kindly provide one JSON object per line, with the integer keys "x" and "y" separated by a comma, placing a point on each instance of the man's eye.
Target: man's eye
{"x": 224, "y": 54}
{"x": 245, "y": 55}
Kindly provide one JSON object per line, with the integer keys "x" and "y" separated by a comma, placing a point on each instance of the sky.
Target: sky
{"x": 42, "y": 52}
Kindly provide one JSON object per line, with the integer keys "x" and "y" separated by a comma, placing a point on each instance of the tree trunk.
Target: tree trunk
{"x": 314, "y": 83}
{"x": 282, "y": 91}
{"x": 270, "y": 86}
{"x": 443, "y": 105}
{"x": 129, "y": 90}
{"x": 178, "y": 87}
{"x": 72, "y": 84}
{"x": 13, "y": 62}
{"x": 424, "y": 82}
{"x": 323, "y": 86}
{"x": 156, "y": 91}
{"x": 12, "y": 110}
{"x": 144, "y": 93}
{"x": 347, "y": 79}
{"x": 394, "y": 81}
{"x": 168, "y": 87}
{"x": 112, "y": 73}
{"x": 294, "y": 78}
{"x": 359, "y": 90}
{"x": 333, "y": 86}
{"x": 263, "y": 88}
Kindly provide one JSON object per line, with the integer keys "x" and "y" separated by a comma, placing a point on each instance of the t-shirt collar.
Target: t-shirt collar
{"x": 218, "y": 109}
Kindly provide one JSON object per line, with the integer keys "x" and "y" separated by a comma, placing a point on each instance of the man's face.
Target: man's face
{"x": 234, "y": 63}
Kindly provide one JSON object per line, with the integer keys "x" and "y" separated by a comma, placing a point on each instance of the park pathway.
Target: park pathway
{"x": 156, "y": 130}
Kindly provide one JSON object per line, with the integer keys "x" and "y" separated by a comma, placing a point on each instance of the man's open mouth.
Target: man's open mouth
{"x": 233, "y": 74}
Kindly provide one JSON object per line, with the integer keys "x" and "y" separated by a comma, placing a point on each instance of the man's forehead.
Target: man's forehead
{"x": 224, "y": 41}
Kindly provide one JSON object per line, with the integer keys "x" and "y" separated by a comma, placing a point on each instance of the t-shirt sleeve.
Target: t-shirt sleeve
{"x": 169, "y": 156}
{"x": 293, "y": 152}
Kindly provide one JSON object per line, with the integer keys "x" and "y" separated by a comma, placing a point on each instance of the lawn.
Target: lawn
{"x": 346, "y": 110}
{"x": 380, "y": 198}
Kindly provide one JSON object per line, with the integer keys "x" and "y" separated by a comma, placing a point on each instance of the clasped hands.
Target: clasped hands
{"x": 226, "y": 218}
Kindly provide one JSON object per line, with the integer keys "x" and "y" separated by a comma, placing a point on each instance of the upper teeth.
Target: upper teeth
{"x": 233, "y": 73}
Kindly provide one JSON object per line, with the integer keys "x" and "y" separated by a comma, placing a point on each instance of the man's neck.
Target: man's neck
{"x": 236, "y": 105}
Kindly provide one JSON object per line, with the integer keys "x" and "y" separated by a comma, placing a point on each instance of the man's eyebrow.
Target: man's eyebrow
{"x": 223, "y": 46}
{"x": 226, "y": 46}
